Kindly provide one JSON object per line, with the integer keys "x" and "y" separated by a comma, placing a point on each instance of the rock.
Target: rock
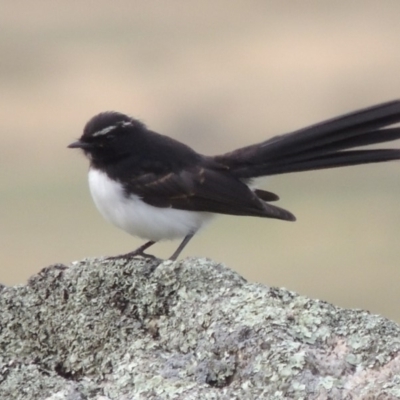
{"x": 194, "y": 329}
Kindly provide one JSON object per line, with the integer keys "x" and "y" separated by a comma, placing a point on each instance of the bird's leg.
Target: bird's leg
{"x": 138, "y": 252}
{"x": 184, "y": 242}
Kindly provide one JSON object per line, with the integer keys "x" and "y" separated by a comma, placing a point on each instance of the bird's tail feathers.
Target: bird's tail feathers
{"x": 320, "y": 146}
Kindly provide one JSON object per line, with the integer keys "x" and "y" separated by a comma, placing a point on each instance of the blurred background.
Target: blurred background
{"x": 217, "y": 75}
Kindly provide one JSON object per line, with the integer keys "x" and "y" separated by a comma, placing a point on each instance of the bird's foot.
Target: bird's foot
{"x": 132, "y": 254}
{"x": 139, "y": 252}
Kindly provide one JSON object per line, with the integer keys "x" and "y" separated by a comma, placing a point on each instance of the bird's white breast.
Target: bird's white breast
{"x": 138, "y": 218}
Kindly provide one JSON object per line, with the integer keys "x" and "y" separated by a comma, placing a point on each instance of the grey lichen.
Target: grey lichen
{"x": 194, "y": 329}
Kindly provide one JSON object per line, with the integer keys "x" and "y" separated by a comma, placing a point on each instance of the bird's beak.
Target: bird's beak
{"x": 79, "y": 145}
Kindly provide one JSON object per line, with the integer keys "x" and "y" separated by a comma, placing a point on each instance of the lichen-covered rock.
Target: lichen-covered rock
{"x": 107, "y": 329}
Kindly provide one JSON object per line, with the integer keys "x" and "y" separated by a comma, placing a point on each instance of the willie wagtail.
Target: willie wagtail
{"x": 155, "y": 187}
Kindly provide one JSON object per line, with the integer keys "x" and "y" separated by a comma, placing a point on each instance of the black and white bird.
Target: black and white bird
{"x": 157, "y": 188}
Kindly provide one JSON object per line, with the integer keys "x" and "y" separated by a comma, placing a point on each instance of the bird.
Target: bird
{"x": 157, "y": 188}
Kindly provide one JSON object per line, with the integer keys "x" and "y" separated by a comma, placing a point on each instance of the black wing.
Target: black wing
{"x": 200, "y": 188}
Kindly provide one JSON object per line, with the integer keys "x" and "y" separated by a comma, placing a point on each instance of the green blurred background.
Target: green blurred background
{"x": 216, "y": 75}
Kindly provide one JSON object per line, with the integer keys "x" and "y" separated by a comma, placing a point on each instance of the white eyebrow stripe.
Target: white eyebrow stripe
{"x": 104, "y": 131}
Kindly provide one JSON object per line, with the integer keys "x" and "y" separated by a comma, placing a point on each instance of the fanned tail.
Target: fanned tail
{"x": 323, "y": 145}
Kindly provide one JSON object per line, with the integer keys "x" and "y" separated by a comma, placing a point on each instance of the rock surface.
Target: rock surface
{"x": 194, "y": 329}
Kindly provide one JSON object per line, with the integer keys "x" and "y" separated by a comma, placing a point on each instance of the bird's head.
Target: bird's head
{"x": 109, "y": 136}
